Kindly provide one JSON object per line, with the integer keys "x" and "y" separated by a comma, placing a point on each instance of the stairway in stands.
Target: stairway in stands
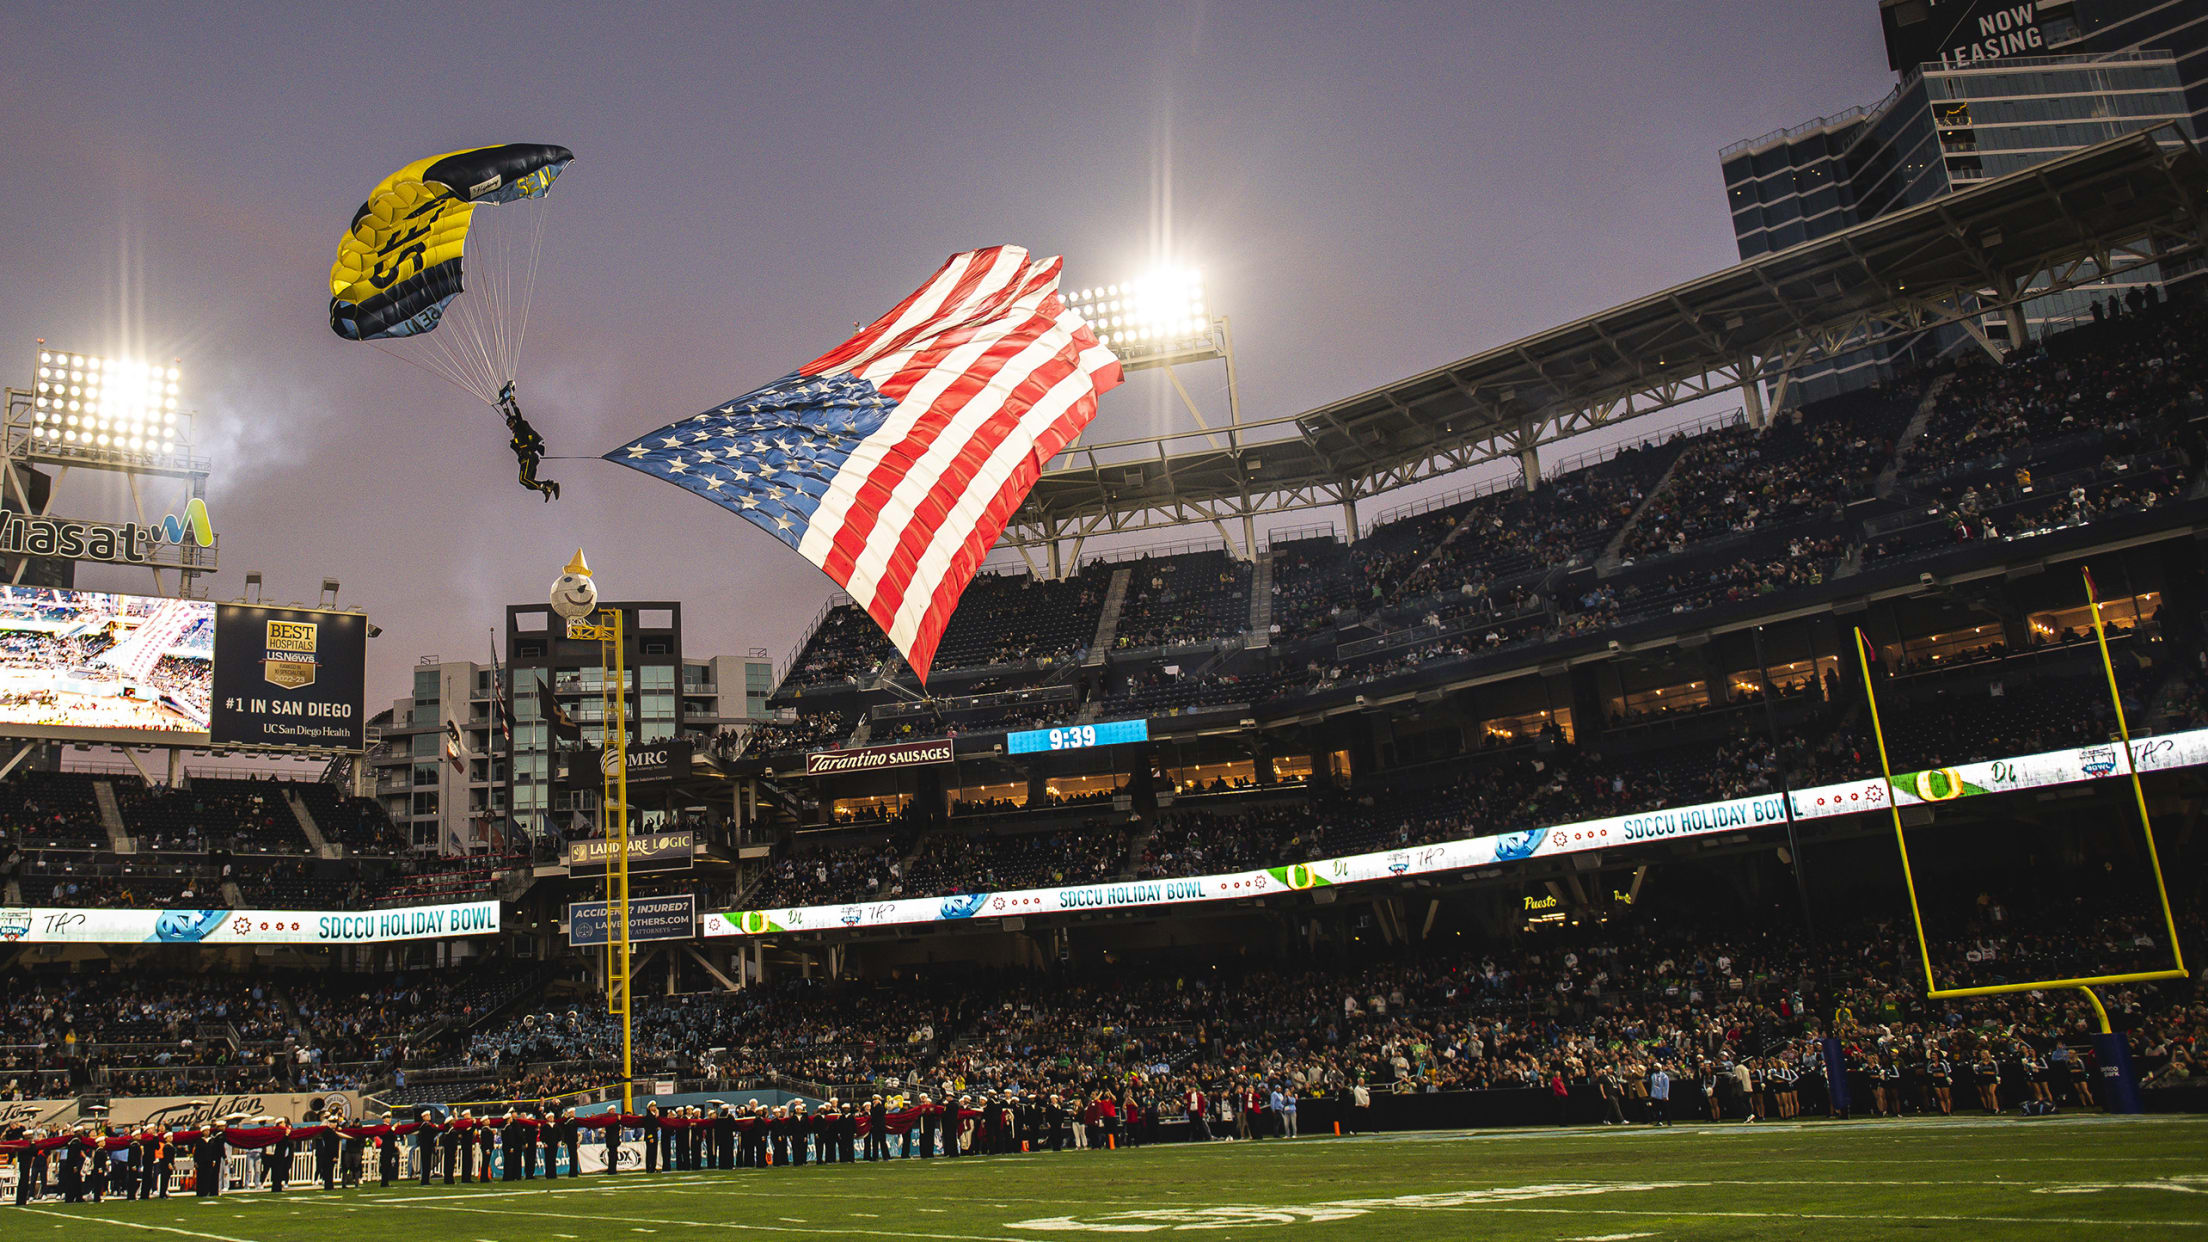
{"x": 111, "y": 818}
{"x": 1610, "y": 551}
{"x": 299, "y": 811}
{"x": 1107, "y": 618}
{"x": 1917, "y": 421}
{"x": 1261, "y": 602}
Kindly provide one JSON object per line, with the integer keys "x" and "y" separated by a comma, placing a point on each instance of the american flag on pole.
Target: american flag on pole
{"x": 894, "y": 460}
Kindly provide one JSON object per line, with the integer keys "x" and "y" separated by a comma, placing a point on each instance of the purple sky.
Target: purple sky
{"x": 1371, "y": 190}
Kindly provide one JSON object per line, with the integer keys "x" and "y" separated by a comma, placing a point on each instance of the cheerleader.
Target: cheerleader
{"x": 2081, "y": 1080}
{"x": 1891, "y": 1076}
{"x": 1707, "y": 1075}
{"x": 1985, "y": 1074}
{"x": 2035, "y": 1074}
{"x": 1874, "y": 1069}
{"x": 1941, "y": 1076}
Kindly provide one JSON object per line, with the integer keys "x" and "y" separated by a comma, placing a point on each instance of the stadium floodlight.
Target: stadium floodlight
{"x": 1152, "y": 320}
{"x": 124, "y": 406}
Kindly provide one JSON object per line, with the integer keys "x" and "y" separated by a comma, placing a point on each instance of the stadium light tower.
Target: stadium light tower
{"x": 1158, "y": 321}
{"x": 118, "y": 414}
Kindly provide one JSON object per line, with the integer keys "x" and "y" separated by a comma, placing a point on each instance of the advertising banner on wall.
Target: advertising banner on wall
{"x": 660, "y": 851}
{"x": 2085, "y": 763}
{"x": 70, "y": 925}
{"x": 652, "y": 766}
{"x": 671, "y": 917}
{"x": 288, "y": 677}
{"x": 877, "y": 758}
{"x": 181, "y": 1112}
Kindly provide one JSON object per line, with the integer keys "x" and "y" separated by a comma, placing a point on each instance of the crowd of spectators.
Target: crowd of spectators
{"x": 1191, "y": 597}
{"x": 1731, "y": 1009}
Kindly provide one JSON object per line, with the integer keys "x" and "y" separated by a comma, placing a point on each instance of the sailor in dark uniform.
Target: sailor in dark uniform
{"x": 650, "y": 1124}
{"x": 387, "y": 1155}
{"x": 352, "y": 1163}
{"x": 325, "y": 1155}
{"x": 931, "y": 1125}
{"x": 426, "y": 1135}
{"x": 778, "y": 1129}
{"x": 276, "y": 1158}
{"x": 207, "y": 1151}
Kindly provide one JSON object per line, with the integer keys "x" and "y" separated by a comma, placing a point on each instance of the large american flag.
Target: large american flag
{"x": 894, "y": 460}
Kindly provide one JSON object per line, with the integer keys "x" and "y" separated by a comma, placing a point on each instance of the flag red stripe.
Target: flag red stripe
{"x": 943, "y": 601}
{"x": 870, "y": 497}
{"x": 932, "y": 510}
{"x": 979, "y": 264}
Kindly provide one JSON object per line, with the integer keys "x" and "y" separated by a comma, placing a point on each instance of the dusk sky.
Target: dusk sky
{"x": 1370, "y": 189}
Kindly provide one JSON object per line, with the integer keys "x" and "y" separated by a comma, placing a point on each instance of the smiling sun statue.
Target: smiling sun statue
{"x": 575, "y": 593}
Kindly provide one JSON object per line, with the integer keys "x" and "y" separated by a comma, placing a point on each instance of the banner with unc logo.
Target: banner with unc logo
{"x": 72, "y": 925}
{"x": 2082, "y": 763}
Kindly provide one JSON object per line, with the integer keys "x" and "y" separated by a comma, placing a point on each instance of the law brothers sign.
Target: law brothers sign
{"x": 1960, "y": 33}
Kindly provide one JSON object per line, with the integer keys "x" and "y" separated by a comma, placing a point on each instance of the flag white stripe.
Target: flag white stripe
{"x": 926, "y": 474}
{"x": 973, "y": 500}
{"x": 931, "y": 304}
{"x": 835, "y": 505}
{"x": 880, "y": 368}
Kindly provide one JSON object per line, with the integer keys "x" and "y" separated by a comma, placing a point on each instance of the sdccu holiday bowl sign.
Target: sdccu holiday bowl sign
{"x": 70, "y": 925}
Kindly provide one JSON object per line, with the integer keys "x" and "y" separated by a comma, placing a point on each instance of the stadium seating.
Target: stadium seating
{"x": 1184, "y": 598}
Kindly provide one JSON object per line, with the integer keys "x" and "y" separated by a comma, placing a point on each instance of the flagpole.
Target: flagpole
{"x": 1886, "y": 769}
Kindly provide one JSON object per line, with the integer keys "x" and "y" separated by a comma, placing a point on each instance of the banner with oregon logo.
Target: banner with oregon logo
{"x": 1864, "y": 794}
{"x": 288, "y": 677}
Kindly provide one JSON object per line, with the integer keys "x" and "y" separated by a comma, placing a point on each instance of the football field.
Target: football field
{"x": 2006, "y": 1178}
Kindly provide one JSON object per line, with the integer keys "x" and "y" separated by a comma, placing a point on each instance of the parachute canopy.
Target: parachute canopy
{"x": 400, "y": 263}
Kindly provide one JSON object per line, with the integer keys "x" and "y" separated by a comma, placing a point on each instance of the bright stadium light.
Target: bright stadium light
{"x": 125, "y": 406}
{"x": 1152, "y": 319}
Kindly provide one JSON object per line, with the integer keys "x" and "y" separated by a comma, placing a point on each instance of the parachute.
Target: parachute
{"x": 399, "y": 266}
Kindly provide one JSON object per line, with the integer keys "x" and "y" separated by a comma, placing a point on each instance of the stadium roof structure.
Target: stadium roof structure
{"x": 1984, "y": 250}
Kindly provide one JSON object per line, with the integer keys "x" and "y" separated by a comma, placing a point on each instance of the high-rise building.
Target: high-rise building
{"x": 1984, "y": 90}
{"x": 455, "y": 804}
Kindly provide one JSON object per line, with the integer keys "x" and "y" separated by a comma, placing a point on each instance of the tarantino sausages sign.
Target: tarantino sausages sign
{"x": 878, "y": 758}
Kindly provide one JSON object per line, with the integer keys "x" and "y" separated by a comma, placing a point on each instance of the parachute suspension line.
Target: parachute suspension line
{"x": 529, "y": 281}
{"x": 439, "y": 372}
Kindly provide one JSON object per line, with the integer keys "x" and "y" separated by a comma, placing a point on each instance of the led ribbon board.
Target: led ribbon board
{"x": 1077, "y": 737}
{"x": 2072, "y": 765}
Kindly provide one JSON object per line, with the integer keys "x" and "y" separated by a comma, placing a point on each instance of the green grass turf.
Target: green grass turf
{"x": 2000, "y": 1178}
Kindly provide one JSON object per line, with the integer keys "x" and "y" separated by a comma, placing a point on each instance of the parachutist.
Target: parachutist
{"x": 528, "y": 446}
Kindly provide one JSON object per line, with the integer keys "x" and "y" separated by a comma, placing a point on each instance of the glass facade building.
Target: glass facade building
{"x": 1944, "y": 126}
{"x": 448, "y": 808}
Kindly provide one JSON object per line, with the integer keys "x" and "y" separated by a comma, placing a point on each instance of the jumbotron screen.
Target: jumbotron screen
{"x": 79, "y": 662}
{"x": 92, "y": 666}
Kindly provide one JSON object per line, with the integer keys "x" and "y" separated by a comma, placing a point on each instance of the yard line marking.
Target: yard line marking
{"x": 1610, "y": 1237}
{"x": 131, "y": 1224}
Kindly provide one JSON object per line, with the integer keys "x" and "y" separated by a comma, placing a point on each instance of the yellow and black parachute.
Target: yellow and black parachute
{"x": 399, "y": 266}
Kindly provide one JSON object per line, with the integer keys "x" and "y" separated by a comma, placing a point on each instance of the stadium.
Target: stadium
{"x": 1729, "y": 764}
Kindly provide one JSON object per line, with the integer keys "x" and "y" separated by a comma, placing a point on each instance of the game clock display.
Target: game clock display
{"x": 1077, "y": 737}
